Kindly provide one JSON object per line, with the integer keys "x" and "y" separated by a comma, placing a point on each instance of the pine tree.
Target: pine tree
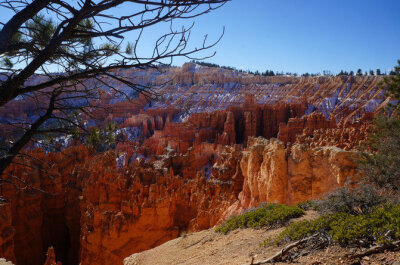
{"x": 380, "y": 160}
{"x": 393, "y": 82}
{"x": 71, "y": 36}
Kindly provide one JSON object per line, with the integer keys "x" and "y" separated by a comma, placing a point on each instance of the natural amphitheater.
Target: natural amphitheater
{"x": 152, "y": 163}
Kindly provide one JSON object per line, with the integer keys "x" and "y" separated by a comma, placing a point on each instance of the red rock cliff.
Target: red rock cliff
{"x": 193, "y": 172}
{"x": 274, "y": 173}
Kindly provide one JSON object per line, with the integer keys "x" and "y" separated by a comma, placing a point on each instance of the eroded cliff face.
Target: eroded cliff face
{"x": 44, "y": 205}
{"x": 201, "y": 89}
{"x": 204, "y": 151}
{"x": 112, "y": 213}
{"x": 151, "y": 203}
{"x": 233, "y": 126}
{"x": 276, "y": 173}
{"x": 146, "y": 205}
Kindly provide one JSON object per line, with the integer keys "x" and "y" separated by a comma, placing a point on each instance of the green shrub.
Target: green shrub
{"x": 269, "y": 215}
{"x": 379, "y": 226}
{"x": 380, "y": 158}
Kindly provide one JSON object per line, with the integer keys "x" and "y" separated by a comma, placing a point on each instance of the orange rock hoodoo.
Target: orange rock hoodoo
{"x": 146, "y": 204}
{"x": 201, "y": 156}
{"x": 229, "y": 127}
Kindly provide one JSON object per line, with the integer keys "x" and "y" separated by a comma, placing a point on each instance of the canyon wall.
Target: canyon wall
{"x": 145, "y": 206}
{"x": 186, "y": 161}
{"x": 150, "y": 203}
{"x": 101, "y": 214}
{"x": 276, "y": 173}
{"x": 44, "y": 204}
{"x": 229, "y": 127}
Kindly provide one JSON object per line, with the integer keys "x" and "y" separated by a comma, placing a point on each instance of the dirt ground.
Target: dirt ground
{"x": 240, "y": 247}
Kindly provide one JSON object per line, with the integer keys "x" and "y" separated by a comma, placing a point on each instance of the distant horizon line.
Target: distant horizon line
{"x": 325, "y": 72}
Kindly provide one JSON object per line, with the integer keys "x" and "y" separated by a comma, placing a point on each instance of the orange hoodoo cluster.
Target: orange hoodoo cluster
{"x": 189, "y": 170}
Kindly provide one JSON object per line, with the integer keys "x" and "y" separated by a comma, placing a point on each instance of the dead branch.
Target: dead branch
{"x": 83, "y": 41}
{"x": 278, "y": 256}
{"x": 376, "y": 249}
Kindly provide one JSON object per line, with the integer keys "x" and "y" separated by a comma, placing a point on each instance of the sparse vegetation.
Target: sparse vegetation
{"x": 368, "y": 213}
{"x": 269, "y": 215}
{"x": 352, "y": 200}
{"x": 379, "y": 226}
{"x": 102, "y": 139}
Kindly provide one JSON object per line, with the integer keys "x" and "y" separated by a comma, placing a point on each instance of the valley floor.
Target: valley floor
{"x": 238, "y": 247}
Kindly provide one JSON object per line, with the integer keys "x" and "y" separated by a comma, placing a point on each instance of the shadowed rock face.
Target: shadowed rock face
{"x": 205, "y": 151}
{"x": 51, "y": 218}
{"x": 7, "y": 233}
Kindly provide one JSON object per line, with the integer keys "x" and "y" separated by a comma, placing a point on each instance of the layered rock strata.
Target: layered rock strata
{"x": 191, "y": 161}
{"x": 274, "y": 173}
{"x": 101, "y": 215}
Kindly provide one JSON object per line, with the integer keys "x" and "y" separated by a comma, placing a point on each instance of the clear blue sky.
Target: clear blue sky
{"x": 298, "y": 35}
{"x": 305, "y": 35}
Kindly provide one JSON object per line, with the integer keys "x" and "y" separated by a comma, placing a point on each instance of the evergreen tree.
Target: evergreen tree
{"x": 393, "y": 82}
{"x": 83, "y": 40}
{"x": 380, "y": 162}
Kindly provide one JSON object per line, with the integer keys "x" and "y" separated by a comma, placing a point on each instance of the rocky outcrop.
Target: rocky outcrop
{"x": 204, "y": 89}
{"x": 347, "y": 135}
{"x": 151, "y": 120}
{"x": 314, "y": 130}
{"x": 195, "y": 162}
{"x": 146, "y": 205}
{"x": 304, "y": 126}
{"x": 44, "y": 205}
{"x": 274, "y": 173}
{"x": 99, "y": 214}
{"x": 317, "y": 171}
{"x": 233, "y": 126}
